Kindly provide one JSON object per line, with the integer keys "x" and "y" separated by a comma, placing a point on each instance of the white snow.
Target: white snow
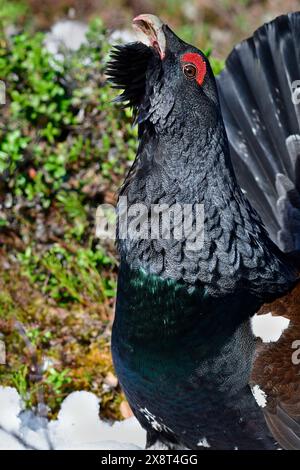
{"x": 68, "y": 34}
{"x": 259, "y": 395}
{"x": 71, "y": 34}
{"x": 268, "y": 327}
{"x": 122, "y": 36}
{"x": 78, "y": 426}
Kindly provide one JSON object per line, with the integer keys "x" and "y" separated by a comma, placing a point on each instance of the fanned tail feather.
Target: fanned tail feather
{"x": 260, "y": 98}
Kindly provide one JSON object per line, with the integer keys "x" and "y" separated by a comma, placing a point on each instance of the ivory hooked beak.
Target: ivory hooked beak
{"x": 150, "y": 32}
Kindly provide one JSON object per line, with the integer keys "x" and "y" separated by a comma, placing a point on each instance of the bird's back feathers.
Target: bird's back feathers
{"x": 276, "y": 373}
{"x": 260, "y": 99}
{"x": 261, "y": 108}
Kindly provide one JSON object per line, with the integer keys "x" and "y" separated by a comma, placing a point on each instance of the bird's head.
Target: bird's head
{"x": 164, "y": 79}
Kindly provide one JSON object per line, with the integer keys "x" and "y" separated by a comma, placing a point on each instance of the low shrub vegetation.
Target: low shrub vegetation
{"x": 64, "y": 149}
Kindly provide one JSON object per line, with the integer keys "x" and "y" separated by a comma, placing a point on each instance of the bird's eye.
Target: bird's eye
{"x": 190, "y": 71}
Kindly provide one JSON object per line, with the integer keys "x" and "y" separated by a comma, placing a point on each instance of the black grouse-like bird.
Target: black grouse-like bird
{"x": 183, "y": 338}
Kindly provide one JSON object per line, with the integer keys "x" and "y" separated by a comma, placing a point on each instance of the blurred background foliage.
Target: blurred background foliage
{"x": 64, "y": 149}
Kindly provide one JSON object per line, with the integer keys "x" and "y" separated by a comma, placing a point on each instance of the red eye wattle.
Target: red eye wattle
{"x": 198, "y": 62}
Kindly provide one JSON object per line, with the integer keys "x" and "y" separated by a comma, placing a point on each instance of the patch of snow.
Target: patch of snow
{"x": 203, "y": 443}
{"x": 122, "y": 36}
{"x": 78, "y": 426}
{"x": 259, "y": 395}
{"x": 66, "y": 33}
{"x": 10, "y": 408}
{"x": 268, "y": 327}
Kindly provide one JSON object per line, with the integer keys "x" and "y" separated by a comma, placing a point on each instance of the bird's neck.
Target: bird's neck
{"x": 189, "y": 162}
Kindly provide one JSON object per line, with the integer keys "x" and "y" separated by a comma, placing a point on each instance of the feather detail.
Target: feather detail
{"x": 127, "y": 71}
{"x": 262, "y": 119}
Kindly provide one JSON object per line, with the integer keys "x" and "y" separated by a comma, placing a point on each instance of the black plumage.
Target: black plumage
{"x": 182, "y": 341}
{"x": 262, "y": 122}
